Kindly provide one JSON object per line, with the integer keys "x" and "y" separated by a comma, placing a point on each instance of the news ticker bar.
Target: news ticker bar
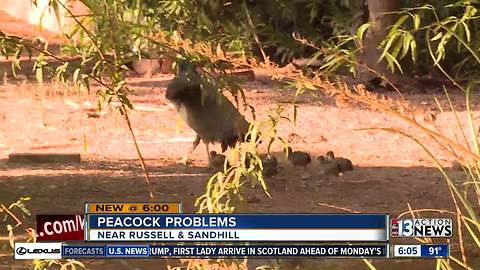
{"x": 72, "y": 251}
{"x": 75, "y": 251}
{"x": 237, "y": 227}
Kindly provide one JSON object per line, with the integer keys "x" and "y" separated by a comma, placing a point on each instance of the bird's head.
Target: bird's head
{"x": 186, "y": 80}
{"x": 185, "y": 67}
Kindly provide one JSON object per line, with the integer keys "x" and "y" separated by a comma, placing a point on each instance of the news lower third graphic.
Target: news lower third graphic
{"x": 106, "y": 230}
{"x": 237, "y": 227}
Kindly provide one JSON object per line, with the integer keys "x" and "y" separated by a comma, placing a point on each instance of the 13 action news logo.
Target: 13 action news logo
{"x": 38, "y": 251}
{"x": 422, "y": 227}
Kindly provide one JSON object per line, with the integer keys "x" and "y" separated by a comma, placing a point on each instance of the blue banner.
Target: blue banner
{"x": 130, "y": 251}
{"x": 437, "y": 250}
{"x": 81, "y": 251}
{"x": 238, "y": 221}
{"x": 229, "y": 251}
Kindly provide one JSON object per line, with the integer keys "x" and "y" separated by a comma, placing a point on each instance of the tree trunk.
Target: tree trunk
{"x": 377, "y": 31}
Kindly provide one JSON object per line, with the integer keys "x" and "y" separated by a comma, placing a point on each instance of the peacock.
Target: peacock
{"x": 205, "y": 109}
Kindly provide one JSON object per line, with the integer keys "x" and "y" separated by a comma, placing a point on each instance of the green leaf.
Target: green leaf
{"x": 416, "y": 21}
{"x": 393, "y": 62}
{"x": 437, "y": 36}
{"x": 398, "y": 46}
{"x": 407, "y": 38}
{"x": 397, "y": 24}
{"x": 413, "y": 49}
{"x": 75, "y": 75}
{"x": 467, "y": 31}
{"x": 390, "y": 41}
{"x": 362, "y": 29}
{"x": 56, "y": 10}
{"x": 39, "y": 74}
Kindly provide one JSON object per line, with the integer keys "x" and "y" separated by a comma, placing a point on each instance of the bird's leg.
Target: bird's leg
{"x": 194, "y": 145}
{"x": 208, "y": 155}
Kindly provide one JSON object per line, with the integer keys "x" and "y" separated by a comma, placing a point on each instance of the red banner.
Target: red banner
{"x": 60, "y": 227}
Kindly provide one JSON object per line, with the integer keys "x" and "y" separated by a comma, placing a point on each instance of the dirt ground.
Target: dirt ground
{"x": 390, "y": 171}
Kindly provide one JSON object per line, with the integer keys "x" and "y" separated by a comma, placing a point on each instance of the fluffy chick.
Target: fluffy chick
{"x": 217, "y": 161}
{"x": 270, "y": 165}
{"x": 298, "y": 158}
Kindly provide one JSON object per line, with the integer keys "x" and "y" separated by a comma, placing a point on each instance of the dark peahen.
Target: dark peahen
{"x": 204, "y": 109}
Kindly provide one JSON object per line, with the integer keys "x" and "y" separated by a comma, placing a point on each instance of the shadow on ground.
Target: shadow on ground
{"x": 63, "y": 189}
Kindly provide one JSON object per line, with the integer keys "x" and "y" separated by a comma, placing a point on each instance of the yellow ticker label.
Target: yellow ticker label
{"x": 134, "y": 208}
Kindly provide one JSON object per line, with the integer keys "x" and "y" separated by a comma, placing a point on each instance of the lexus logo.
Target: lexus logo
{"x": 21, "y": 251}
{"x": 38, "y": 250}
